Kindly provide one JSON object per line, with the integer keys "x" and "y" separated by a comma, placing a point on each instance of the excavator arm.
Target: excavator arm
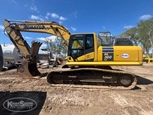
{"x": 15, "y": 27}
{"x": 28, "y": 69}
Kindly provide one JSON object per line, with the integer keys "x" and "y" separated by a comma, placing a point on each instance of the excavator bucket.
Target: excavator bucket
{"x": 1, "y": 58}
{"x": 28, "y": 68}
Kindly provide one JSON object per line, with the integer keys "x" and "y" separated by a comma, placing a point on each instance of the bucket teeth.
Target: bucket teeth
{"x": 28, "y": 70}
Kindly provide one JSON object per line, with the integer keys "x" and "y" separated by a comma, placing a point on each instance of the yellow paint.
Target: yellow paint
{"x": 95, "y": 47}
{"x": 103, "y": 63}
{"x": 132, "y": 51}
{"x": 86, "y": 57}
{"x": 123, "y": 55}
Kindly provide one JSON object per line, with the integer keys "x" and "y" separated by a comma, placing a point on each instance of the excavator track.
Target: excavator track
{"x": 92, "y": 78}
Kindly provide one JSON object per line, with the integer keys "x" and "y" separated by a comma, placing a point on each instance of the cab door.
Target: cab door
{"x": 81, "y": 47}
{"x": 89, "y": 48}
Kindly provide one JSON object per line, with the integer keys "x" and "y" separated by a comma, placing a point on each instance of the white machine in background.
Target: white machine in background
{"x": 9, "y": 58}
{"x": 46, "y": 59}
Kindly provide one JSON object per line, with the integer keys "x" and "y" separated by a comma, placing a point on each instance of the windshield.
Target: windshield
{"x": 77, "y": 46}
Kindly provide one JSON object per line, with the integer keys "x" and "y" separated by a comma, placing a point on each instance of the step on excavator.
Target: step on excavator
{"x": 90, "y": 56}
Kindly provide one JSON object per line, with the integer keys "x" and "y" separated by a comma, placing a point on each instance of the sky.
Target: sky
{"x": 76, "y": 15}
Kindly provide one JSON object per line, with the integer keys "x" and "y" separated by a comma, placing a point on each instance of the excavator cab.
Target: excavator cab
{"x": 83, "y": 44}
{"x": 80, "y": 44}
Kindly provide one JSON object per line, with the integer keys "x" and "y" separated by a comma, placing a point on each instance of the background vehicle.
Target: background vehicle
{"x": 11, "y": 59}
{"x": 88, "y": 58}
{"x": 147, "y": 59}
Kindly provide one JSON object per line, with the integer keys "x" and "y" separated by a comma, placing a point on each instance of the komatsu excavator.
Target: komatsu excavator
{"x": 89, "y": 59}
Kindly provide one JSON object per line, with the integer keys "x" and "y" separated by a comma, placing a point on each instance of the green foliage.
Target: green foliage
{"x": 142, "y": 34}
{"x": 133, "y": 35}
{"x": 56, "y": 47}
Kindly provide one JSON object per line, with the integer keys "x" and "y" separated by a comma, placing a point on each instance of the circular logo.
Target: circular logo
{"x": 125, "y": 55}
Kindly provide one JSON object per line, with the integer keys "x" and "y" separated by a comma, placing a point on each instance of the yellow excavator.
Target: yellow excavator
{"x": 89, "y": 59}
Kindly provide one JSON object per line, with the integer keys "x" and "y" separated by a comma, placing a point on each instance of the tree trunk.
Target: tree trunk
{"x": 152, "y": 51}
{"x": 145, "y": 49}
{"x": 151, "y": 46}
{"x": 147, "y": 53}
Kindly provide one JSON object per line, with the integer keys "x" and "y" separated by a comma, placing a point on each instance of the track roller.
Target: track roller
{"x": 126, "y": 80}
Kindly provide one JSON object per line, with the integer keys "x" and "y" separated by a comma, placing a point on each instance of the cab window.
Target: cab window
{"x": 89, "y": 41}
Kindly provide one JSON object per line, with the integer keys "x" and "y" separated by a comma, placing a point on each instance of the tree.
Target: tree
{"x": 132, "y": 34}
{"x": 145, "y": 32}
{"x": 135, "y": 36}
{"x": 56, "y": 47}
{"x": 142, "y": 35}
{"x": 50, "y": 46}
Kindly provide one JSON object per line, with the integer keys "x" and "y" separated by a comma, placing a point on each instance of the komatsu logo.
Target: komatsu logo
{"x": 34, "y": 27}
{"x": 125, "y": 55}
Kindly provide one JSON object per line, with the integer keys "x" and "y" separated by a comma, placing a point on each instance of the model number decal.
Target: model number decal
{"x": 108, "y": 56}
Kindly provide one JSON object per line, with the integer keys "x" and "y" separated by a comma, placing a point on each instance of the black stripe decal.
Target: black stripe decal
{"x": 108, "y": 49}
{"x": 108, "y": 53}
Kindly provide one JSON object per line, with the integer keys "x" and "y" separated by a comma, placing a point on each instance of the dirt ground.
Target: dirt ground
{"x": 67, "y": 100}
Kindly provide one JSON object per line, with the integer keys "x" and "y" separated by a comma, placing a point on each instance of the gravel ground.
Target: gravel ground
{"x": 65, "y": 100}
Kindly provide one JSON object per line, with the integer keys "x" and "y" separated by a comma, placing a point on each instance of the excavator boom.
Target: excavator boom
{"x": 28, "y": 69}
{"x": 40, "y": 27}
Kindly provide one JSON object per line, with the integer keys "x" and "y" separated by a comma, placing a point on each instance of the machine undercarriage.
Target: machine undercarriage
{"x": 93, "y": 76}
